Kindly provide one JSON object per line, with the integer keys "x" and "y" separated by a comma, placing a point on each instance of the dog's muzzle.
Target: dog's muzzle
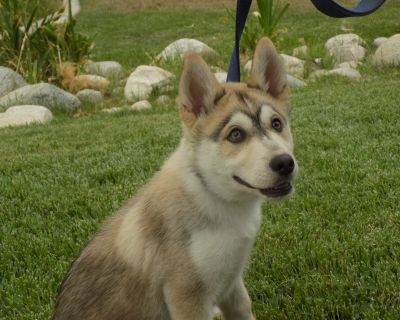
{"x": 281, "y": 189}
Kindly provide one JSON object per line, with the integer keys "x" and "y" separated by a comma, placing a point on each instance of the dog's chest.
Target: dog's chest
{"x": 220, "y": 252}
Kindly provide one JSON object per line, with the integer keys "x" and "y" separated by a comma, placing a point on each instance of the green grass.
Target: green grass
{"x": 331, "y": 252}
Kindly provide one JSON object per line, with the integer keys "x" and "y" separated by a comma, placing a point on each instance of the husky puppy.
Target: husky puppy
{"x": 178, "y": 248}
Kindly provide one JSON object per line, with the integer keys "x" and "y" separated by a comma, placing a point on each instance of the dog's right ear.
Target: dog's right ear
{"x": 268, "y": 71}
{"x": 198, "y": 89}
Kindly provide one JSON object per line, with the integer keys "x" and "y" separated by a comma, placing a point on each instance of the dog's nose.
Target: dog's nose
{"x": 282, "y": 164}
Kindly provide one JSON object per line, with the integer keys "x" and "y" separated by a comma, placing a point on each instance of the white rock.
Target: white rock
{"x": 216, "y": 69}
{"x": 318, "y": 61}
{"x": 349, "y": 73}
{"x": 247, "y": 66}
{"x": 294, "y": 66}
{"x": 217, "y": 313}
{"x": 107, "y": 69}
{"x": 21, "y": 115}
{"x": 162, "y": 99}
{"x": 344, "y": 53}
{"x": 62, "y": 19}
{"x": 89, "y": 95}
{"x": 144, "y": 80}
{"x": 91, "y": 81}
{"x": 10, "y": 81}
{"x": 42, "y": 94}
{"x": 221, "y": 77}
{"x": 378, "y": 41}
{"x": 301, "y": 52}
{"x": 141, "y": 105}
{"x": 388, "y": 54}
{"x": 75, "y": 7}
{"x": 112, "y": 110}
{"x": 349, "y": 64}
{"x": 180, "y": 47}
{"x": 138, "y": 90}
{"x": 318, "y": 73}
{"x": 294, "y": 82}
{"x": 347, "y": 39}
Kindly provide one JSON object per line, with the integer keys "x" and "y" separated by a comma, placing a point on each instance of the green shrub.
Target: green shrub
{"x": 36, "y": 48}
{"x": 263, "y": 23}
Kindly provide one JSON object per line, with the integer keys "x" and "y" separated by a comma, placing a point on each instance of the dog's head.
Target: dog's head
{"x": 238, "y": 134}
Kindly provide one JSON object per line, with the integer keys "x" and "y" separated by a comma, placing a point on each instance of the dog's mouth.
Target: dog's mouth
{"x": 279, "y": 190}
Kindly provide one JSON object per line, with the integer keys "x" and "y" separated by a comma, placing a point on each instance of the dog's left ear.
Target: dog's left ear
{"x": 268, "y": 71}
{"x": 198, "y": 89}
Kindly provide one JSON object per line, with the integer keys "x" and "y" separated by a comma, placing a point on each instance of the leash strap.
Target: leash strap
{"x": 332, "y": 9}
{"x": 242, "y": 11}
{"x": 328, "y": 7}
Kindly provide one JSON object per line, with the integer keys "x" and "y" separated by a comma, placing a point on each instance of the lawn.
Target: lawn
{"x": 330, "y": 252}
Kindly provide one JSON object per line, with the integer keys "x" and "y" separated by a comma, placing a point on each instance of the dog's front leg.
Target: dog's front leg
{"x": 186, "y": 300}
{"x": 237, "y": 304}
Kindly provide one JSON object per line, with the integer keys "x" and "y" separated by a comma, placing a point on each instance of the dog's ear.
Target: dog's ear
{"x": 198, "y": 88}
{"x": 268, "y": 71}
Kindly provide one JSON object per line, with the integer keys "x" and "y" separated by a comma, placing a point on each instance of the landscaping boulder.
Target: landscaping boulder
{"x": 348, "y": 39}
{"x": 318, "y": 73}
{"x": 62, "y": 19}
{"x": 179, "y": 48}
{"x": 10, "y": 81}
{"x": 388, "y": 54}
{"x": 91, "y": 81}
{"x": 42, "y": 94}
{"x": 378, "y": 41}
{"x": 107, "y": 69}
{"x": 348, "y": 73}
{"x": 317, "y": 61}
{"x": 144, "y": 80}
{"x": 91, "y": 96}
{"x": 294, "y": 82}
{"x": 221, "y": 77}
{"x": 301, "y": 52}
{"x": 75, "y": 6}
{"x": 141, "y": 105}
{"x": 344, "y": 53}
{"x": 112, "y": 110}
{"x": 163, "y": 100}
{"x": 294, "y": 66}
{"x": 216, "y": 69}
{"x": 21, "y": 115}
{"x": 348, "y": 64}
{"x": 75, "y": 9}
{"x": 247, "y": 66}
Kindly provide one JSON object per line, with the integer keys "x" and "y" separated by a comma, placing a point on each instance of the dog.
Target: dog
{"x": 178, "y": 249}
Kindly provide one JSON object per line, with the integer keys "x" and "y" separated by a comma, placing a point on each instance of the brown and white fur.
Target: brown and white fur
{"x": 178, "y": 248}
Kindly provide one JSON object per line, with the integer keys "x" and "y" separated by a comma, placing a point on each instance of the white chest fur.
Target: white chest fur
{"x": 221, "y": 251}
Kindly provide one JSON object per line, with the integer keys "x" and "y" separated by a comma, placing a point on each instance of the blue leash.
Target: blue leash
{"x": 242, "y": 11}
{"x": 332, "y": 9}
{"x": 328, "y": 7}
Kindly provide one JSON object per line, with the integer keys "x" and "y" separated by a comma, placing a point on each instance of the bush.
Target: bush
{"x": 36, "y": 48}
{"x": 263, "y": 23}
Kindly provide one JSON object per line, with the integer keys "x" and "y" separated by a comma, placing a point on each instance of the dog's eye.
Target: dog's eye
{"x": 276, "y": 124}
{"x": 237, "y": 135}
